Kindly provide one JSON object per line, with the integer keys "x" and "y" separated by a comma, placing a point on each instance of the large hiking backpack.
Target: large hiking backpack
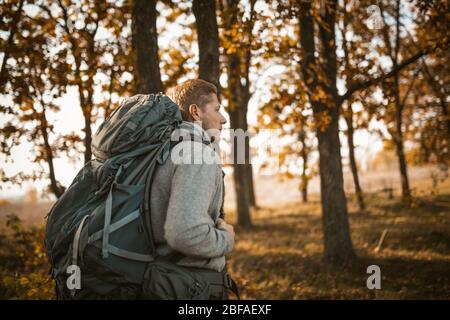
{"x": 101, "y": 223}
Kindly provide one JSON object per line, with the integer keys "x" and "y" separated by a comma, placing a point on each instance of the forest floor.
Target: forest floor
{"x": 280, "y": 257}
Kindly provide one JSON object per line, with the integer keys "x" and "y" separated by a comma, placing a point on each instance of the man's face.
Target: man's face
{"x": 210, "y": 116}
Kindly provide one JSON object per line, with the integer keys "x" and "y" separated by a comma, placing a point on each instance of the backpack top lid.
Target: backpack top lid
{"x": 138, "y": 121}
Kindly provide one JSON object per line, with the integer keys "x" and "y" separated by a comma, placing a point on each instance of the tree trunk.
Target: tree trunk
{"x": 240, "y": 173}
{"x": 250, "y": 185}
{"x": 237, "y": 109}
{"x": 208, "y": 41}
{"x": 338, "y": 248}
{"x": 353, "y": 166}
{"x": 305, "y": 193}
{"x": 398, "y": 138}
{"x": 86, "y": 104}
{"x": 304, "y": 155}
{"x": 238, "y": 69}
{"x": 54, "y": 184}
{"x": 406, "y": 194}
{"x": 145, "y": 43}
{"x": 349, "y": 120}
{"x": 86, "y": 107}
{"x": 245, "y": 97}
{"x": 87, "y": 134}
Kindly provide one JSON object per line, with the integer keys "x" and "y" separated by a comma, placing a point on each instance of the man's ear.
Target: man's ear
{"x": 195, "y": 112}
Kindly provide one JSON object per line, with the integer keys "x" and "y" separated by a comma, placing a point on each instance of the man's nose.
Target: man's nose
{"x": 224, "y": 120}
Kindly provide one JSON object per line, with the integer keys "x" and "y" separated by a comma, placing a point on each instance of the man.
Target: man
{"x": 187, "y": 194}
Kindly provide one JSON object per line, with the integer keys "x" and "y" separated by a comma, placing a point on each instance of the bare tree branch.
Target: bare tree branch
{"x": 375, "y": 80}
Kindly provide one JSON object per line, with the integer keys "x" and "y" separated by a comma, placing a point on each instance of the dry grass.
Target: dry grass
{"x": 281, "y": 256}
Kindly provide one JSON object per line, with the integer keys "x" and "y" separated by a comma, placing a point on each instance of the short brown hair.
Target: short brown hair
{"x": 195, "y": 91}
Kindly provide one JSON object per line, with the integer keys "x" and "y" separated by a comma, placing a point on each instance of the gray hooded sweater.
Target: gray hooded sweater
{"x": 186, "y": 197}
